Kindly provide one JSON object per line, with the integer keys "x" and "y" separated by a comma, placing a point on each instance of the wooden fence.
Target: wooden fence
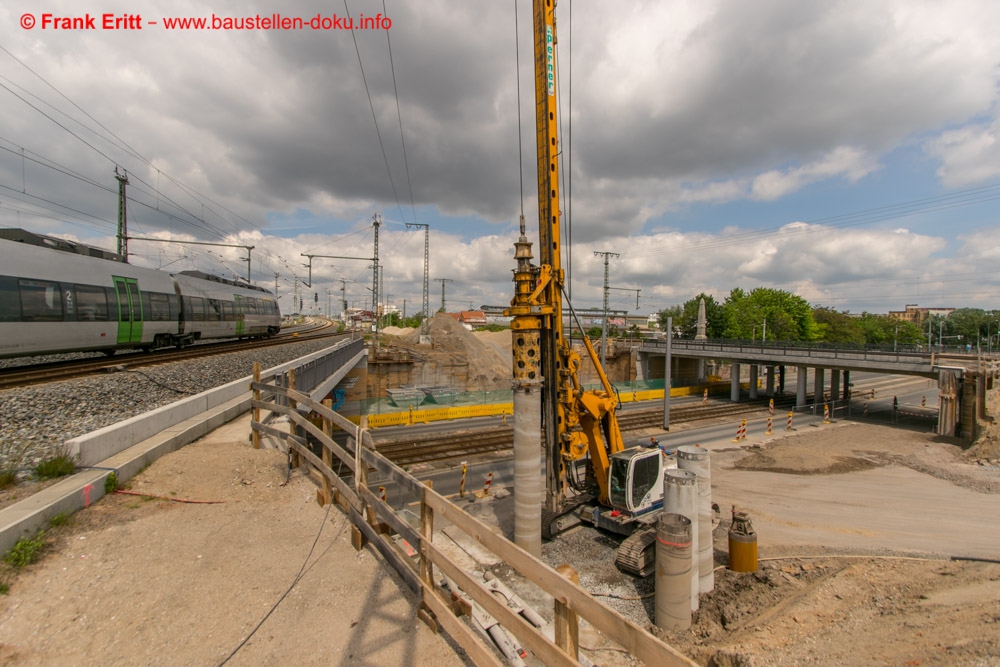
{"x": 374, "y": 521}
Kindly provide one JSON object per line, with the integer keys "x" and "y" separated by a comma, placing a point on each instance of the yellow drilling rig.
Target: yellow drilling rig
{"x": 589, "y": 474}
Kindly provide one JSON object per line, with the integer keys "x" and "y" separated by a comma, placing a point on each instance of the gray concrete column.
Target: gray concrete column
{"x": 702, "y": 374}
{"x": 800, "y": 382}
{"x": 847, "y": 385}
{"x": 781, "y": 380}
{"x": 770, "y": 380}
{"x": 834, "y": 385}
{"x": 734, "y": 385}
{"x": 753, "y": 380}
{"x": 642, "y": 366}
{"x": 819, "y": 382}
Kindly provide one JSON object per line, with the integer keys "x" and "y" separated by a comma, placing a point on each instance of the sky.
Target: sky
{"x": 844, "y": 151}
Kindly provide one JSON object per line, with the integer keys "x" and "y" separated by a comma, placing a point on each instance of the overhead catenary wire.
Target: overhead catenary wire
{"x": 399, "y": 115}
{"x": 371, "y": 104}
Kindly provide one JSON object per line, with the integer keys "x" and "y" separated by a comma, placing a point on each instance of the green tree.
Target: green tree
{"x": 884, "y": 330}
{"x": 788, "y": 316}
{"x": 838, "y": 327}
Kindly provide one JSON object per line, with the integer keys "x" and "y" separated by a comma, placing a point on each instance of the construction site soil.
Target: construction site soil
{"x": 151, "y": 581}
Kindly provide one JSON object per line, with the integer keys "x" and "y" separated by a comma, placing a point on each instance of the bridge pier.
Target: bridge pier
{"x": 781, "y": 380}
{"x": 847, "y": 385}
{"x": 770, "y": 380}
{"x": 834, "y": 384}
{"x": 819, "y": 381}
{"x": 753, "y": 380}
{"x": 734, "y": 385}
{"x": 800, "y": 382}
{"x": 702, "y": 373}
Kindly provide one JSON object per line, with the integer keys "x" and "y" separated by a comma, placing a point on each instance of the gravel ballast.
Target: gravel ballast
{"x": 35, "y": 421}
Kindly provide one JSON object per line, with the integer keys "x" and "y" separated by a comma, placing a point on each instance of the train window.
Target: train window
{"x": 227, "y": 311}
{"x": 91, "y": 304}
{"x": 159, "y": 307}
{"x": 253, "y": 305}
{"x": 69, "y": 303}
{"x": 112, "y": 295}
{"x": 146, "y": 308}
{"x": 10, "y": 302}
{"x": 197, "y": 309}
{"x": 41, "y": 301}
{"x": 174, "y": 302}
{"x": 214, "y": 310}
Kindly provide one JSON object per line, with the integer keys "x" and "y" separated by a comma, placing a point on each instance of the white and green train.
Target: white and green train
{"x": 59, "y": 296}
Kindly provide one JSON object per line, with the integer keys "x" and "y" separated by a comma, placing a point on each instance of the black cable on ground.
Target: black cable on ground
{"x": 290, "y": 587}
{"x": 160, "y": 384}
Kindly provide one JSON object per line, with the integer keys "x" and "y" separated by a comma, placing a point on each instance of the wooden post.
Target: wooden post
{"x": 254, "y": 433}
{"x": 426, "y": 567}
{"x": 427, "y": 533}
{"x": 292, "y": 429}
{"x": 567, "y": 629}
{"x": 327, "y": 454}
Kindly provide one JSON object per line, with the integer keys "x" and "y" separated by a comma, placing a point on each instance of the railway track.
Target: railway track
{"x": 22, "y": 376}
{"x": 426, "y": 448}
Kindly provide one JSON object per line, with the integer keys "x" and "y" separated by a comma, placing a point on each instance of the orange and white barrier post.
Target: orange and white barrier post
{"x": 704, "y": 397}
{"x": 743, "y": 430}
{"x": 739, "y": 432}
{"x": 789, "y": 427}
{"x": 486, "y": 485}
{"x": 768, "y": 431}
{"x": 770, "y": 407}
{"x": 826, "y": 413}
{"x": 923, "y": 401}
{"x": 381, "y": 493}
{"x": 461, "y": 485}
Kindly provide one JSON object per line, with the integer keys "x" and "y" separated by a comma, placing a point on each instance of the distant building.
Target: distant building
{"x": 472, "y": 318}
{"x": 494, "y": 315}
{"x": 917, "y": 315}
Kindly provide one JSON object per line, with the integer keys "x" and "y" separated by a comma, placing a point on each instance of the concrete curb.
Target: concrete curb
{"x": 26, "y": 518}
{"x": 130, "y": 445}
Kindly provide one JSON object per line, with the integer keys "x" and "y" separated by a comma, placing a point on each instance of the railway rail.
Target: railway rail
{"x": 427, "y": 448}
{"x": 21, "y": 376}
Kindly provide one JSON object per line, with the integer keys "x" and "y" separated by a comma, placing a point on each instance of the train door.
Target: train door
{"x": 239, "y": 314}
{"x": 129, "y": 310}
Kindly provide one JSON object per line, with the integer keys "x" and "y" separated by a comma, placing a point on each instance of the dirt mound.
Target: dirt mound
{"x": 488, "y": 365}
{"x": 398, "y": 331}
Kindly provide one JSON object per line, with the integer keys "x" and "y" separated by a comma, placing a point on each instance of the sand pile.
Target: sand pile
{"x": 397, "y": 331}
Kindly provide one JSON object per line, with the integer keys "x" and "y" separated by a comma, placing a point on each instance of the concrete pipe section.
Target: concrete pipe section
{"x": 673, "y": 572}
{"x": 680, "y": 496}
{"x": 696, "y": 459}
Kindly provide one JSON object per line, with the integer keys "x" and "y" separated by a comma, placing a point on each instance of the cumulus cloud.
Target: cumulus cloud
{"x": 675, "y": 106}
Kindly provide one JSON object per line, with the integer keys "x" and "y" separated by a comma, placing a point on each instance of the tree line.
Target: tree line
{"x": 771, "y": 314}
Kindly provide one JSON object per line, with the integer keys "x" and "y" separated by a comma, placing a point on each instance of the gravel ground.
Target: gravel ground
{"x": 36, "y": 421}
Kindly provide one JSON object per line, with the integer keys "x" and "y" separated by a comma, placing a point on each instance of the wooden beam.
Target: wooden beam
{"x": 270, "y": 430}
{"x": 386, "y": 513}
{"x": 388, "y": 551}
{"x": 344, "y": 490}
{"x": 255, "y": 435}
{"x": 459, "y": 631}
{"x": 629, "y": 636}
{"x": 386, "y": 467}
{"x": 528, "y": 634}
{"x": 300, "y": 419}
{"x": 567, "y": 627}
